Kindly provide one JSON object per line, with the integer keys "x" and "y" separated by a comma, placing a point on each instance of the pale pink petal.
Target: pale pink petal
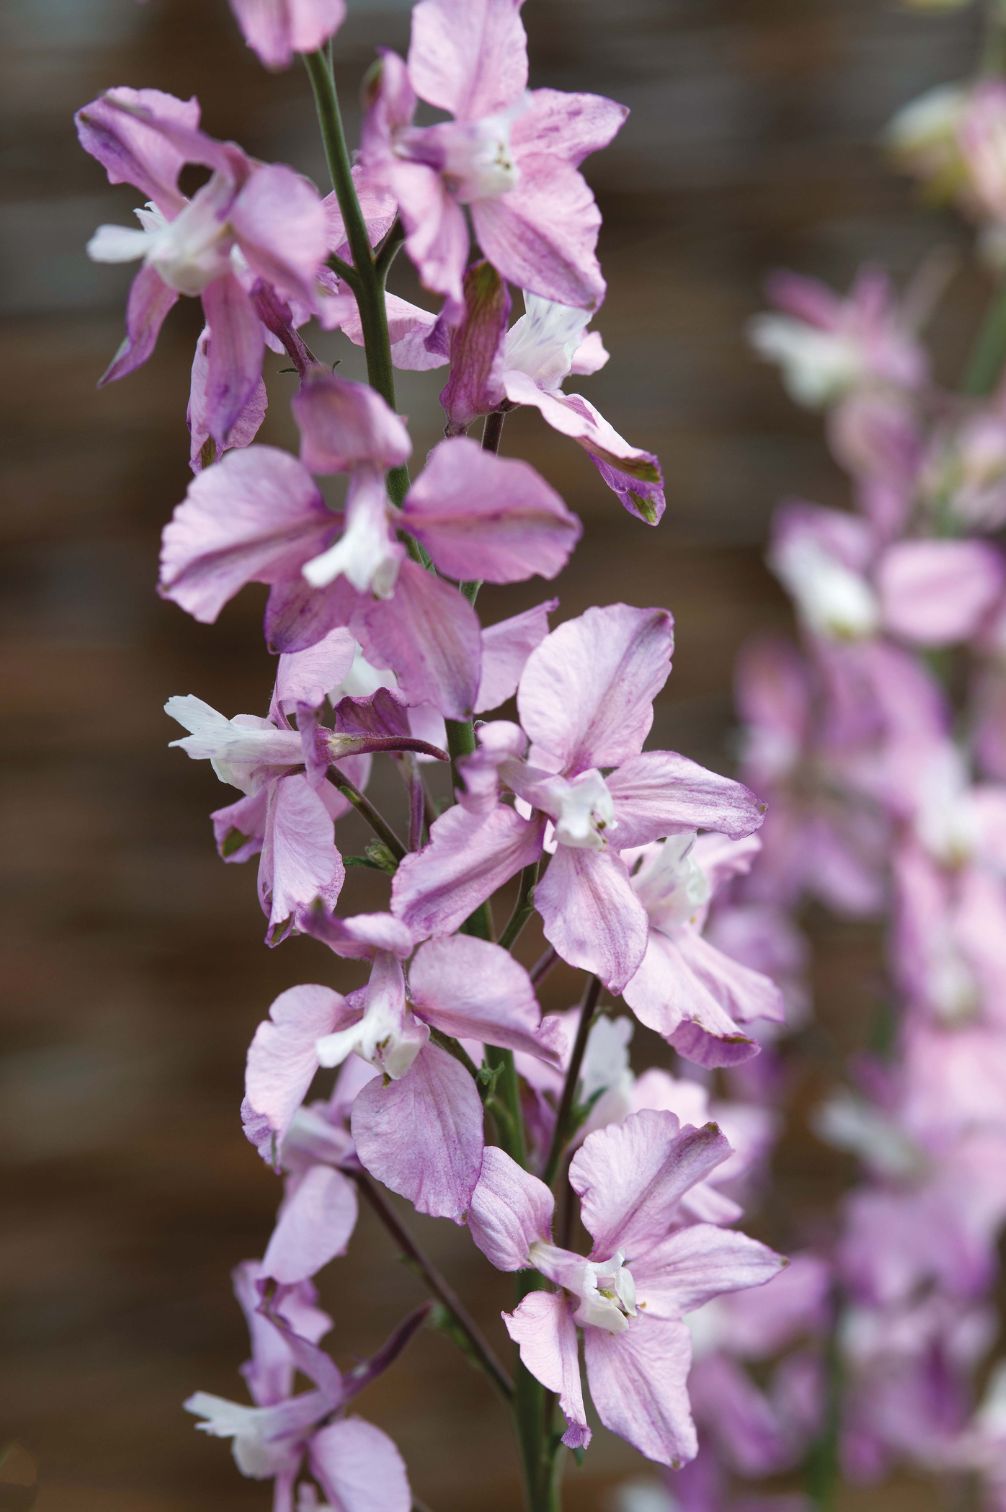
{"x": 542, "y": 235}
{"x": 237, "y": 346}
{"x": 542, "y": 1327}
{"x": 506, "y": 647}
{"x": 429, "y": 635}
{"x": 409, "y": 328}
{"x": 586, "y": 694}
{"x": 468, "y": 56}
{"x": 358, "y": 1468}
{"x": 746, "y": 994}
{"x": 472, "y": 989}
{"x": 297, "y": 616}
{"x": 631, "y": 473}
{"x": 362, "y": 936}
{"x": 300, "y": 865}
{"x": 488, "y": 517}
{"x": 132, "y": 150}
{"x": 510, "y": 1210}
{"x": 590, "y": 914}
{"x": 638, "y": 1385}
{"x": 630, "y": 1178}
{"x": 149, "y": 301}
{"x": 568, "y": 126}
{"x": 467, "y": 859}
{"x": 345, "y": 425}
{"x": 239, "y": 829}
{"x": 437, "y": 232}
{"x": 698, "y": 1263}
{"x": 315, "y": 1224}
{"x": 308, "y": 677}
{"x": 282, "y": 1059}
{"x": 378, "y": 208}
{"x": 660, "y": 793}
{"x": 667, "y": 996}
{"x": 422, "y": 1134}
{"x": 255, "y": 516}
{"x": 475, "y": 385}
{"x": 242, "y": 432}
{"x": 590, "y": 356}
{"x": 276, "y": 29}
{"x": 279, "y": 222}
{"x": 938, "y": 592}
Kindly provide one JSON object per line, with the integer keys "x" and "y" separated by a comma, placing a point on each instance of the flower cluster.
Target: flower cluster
{"x": 452, "y": 1090}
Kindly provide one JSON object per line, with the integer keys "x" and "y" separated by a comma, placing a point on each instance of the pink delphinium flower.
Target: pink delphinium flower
{"x": 631, "y": 1294}
{"x": 277, "y": 29}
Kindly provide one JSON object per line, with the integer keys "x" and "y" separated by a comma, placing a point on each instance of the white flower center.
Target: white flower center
{"x": 604, "y": 1289}
{"x": 671, "y": 884}
{"x": 584, "y": 811}
{"x": 834, "y": 600}
{"x": 816, "y": 366}
{"x": 478, "y": 163}
{"x": 544, "y": 341}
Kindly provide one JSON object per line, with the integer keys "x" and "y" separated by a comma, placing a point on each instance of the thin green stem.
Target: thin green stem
{"x": 438, "y": 1286}
{"x": 382, "y": 829}
{"x": 988, "y": 355}
{"x": 567, "y": 1101}
{"x": 523, "y": 908}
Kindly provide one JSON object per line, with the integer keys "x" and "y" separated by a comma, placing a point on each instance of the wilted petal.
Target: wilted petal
{"x": 506, "y": 647}
{"x": 429, "y": 635}
{"x": 591, "y": 915}
{"x": 358, "y": 1468}
{"x": 938, "y": 592}
{"x": 344, "y": 425}
{"x": 237, "y": 346}
{"x": 660, "y": 793}
{"x": 422, "y": 1134}
{"x": 276, "y": 29}
{"x": 282, "y": 1059}
{"x": 638, "y": 1385}
{"x": 698, "y": 1263}
{"x": 315, "y": 1224}
{"x": 488, "y": 517}
{"x": 472, "y": 989}
{"x": 542, "y": 1327}
{"x": 253, "y": 517}
{"x": 467, "y": 859}
{"x": 631, "y": 1176}
{"x": 510, "y": 1210}
{"x": 475, "y": 385}
{"x": 468, "y": 56}
{"x": 542, "y": 236}
{"x": 586, "y": 694}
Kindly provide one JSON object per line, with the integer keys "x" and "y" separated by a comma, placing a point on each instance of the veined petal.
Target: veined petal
{"x": 468, "y": 56}
{"x": 510, "y": 1210}
{"x": 660, "y": 793}
{"x": 567, "y": 126}
{"x": 637, "y": 1383}
{"x": 669, "y": 998}
{"x": 472, "y": 989}
{"x": 938, "y": 592}
{"x": 475, "y": 385}
{"x": 315, "y": 1224}
{"x": 542, "y": 236}
{"x": 590, "y": 914}
{"x": 467, "y": 859}
{"x": 301, "y": 866}
{"x": 149, "y": 301}
{"x": 631, "y": 1176}
{"x": 242, "y": 432}
{"x": 237, "y": 346}
{"x": 345, "y": 425}
{"x": 698, "y": 1263}
{"x": 422, "y": 1135}
{"x": 276, "y": 29}
{"x": 282, "y": 1059}
{"x": 132, "y": 150}
{"x": 359, "y": 1468}
{"x": 488, "y": 517}
{"x": 279, "y": 222}
{"x": 506, "y": 647}
{"x": 542, "y": 1327}
{"x": 253, "y": 517}
{"x": 586, "y": 695}
{"x": 429, "y": 635}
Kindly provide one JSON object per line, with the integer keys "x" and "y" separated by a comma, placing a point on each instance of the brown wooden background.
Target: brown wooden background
{"x": 135, "y": 969}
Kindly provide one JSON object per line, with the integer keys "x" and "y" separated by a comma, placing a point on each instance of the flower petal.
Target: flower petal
{"x": 936, "y": 592}
{"x": 506, "y": 647}
{"x": 591, "y": 915}
{"x": 281, "y": 228}
{"x": 698, "y": 1263}
{"x": 358, "y": 1468}
{"x": 510, "y": 1210}
{"x": 542, "y": 236}
{"x": 475, "y": 385}
{"x": 315, "y": 1224}
{"x": 586, "y": 694}
{"x": 282, "y": 1060}
{"x": 467, "y": 859}
{"x": 568, "y": 126}
{"x": 542, "y": 1327}
{"x": 422, "y": 1134}
{"x": 637, "y": 1383}
{"x": 468, "y": 56}
{"x": 301, "y": 866}
{"x": 345, "y": 425}
{"x": 428, "y": 634}
{"x": 276, "y": 29}
{"x": 472, "y": 989}
{"x": 660, "y": 793}
{"x": 131, "y": 149}
{"x": 237, "y": 345}
{"x": 149, "y": 301}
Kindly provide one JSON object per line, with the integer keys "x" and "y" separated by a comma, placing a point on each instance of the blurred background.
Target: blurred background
{"x": 136, "y": 972}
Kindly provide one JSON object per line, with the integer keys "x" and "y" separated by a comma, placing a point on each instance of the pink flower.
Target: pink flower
{"x": 630, "y": 1295}
{"x": 277, "y": 29}
{"x": 508, "y": 156}
{"x": 249, "y": 221}
{"x": 585, "y": 701}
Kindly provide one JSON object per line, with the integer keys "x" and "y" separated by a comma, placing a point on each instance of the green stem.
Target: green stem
{"x": 438, "y": 1286}
{"x": 523, "y": 908}
{"x": 366, "y": 809}
{"x": 564, "y": 1112}
{"x": 988, "y": 355}
{"x": 368, "y": 285}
